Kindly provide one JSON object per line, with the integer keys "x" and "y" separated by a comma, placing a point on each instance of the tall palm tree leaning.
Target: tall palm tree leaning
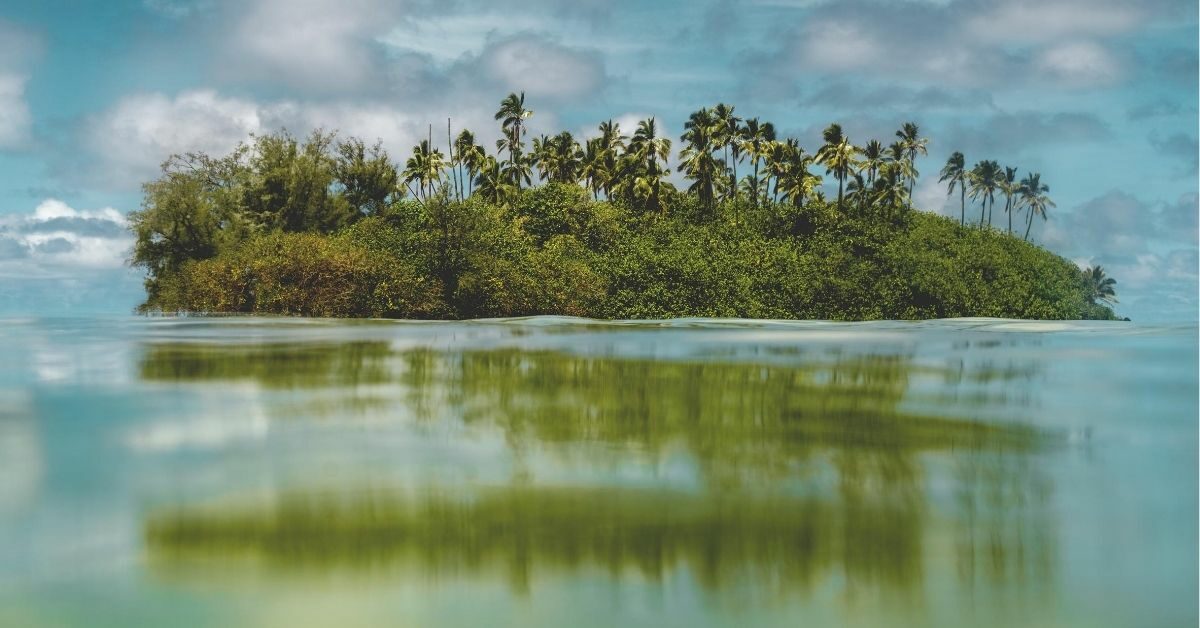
{"x": 910, "y": 137}
{"x": 1034, "y": 197}
{"x": 512, "y": 116}
{"x": 955, "y": 172}
{"x": 1100, "y": 287}
{"x": 837, "y": 155}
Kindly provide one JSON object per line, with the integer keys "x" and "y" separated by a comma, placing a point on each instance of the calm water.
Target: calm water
{"x": 558, "y": 472}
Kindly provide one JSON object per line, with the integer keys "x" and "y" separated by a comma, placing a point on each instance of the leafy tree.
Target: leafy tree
{"x": 368, "y": 179}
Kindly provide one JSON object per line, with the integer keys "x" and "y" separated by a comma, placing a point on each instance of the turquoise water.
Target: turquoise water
{"x": 551, "y": 472}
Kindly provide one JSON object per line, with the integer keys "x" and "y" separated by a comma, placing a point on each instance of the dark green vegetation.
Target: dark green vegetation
{"x": 323, "y": 227}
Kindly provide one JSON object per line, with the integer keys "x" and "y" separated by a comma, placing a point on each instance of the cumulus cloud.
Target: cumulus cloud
{"x": 1039, "y": 21}
{"x": 319, "y": 45}
{"x": 542, "y": 68}
{"x": 976, "y": 43}
{"x": 132, "y": 138}
{"x": 56, "y": 237}
{"x": 1081, "y": 63}
{"x": 127, "y": 143}
{"x": 60, "y": 260}
{"x": 1150, "y": 248}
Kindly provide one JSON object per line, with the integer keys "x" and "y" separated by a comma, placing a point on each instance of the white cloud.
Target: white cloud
{"x": 16, "y": 123}
{"x": 55, "y": 239}
{"x": 1042, "y": 21}
{"x": 131, "y": 140}
{"x": 16, "y": 49}
{"x": 1079, "y": 63}
{"x": 542, "y": 68}
{"x": 141, "y": 131}
{"x": 57, "y": 259}
{"x": 324, "y": 45}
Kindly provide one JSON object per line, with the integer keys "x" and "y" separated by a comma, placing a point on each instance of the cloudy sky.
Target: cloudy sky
{"x": 1100, "y": 96}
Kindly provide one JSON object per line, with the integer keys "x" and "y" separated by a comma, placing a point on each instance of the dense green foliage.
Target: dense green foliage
{"x": 332, "y": 228}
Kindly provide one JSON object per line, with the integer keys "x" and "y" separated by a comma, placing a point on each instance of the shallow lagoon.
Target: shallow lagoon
{"x": 554, "y": 471}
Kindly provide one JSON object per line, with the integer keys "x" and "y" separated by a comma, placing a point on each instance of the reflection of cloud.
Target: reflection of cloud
{"x": 206, "y": 432}
{"x": 21, "y": 464}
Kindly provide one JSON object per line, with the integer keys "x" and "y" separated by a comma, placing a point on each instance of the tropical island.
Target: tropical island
{"x": 328, "y": 226}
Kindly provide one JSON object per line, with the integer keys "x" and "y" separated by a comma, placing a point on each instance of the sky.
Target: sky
{"x": 1099, "y": 96}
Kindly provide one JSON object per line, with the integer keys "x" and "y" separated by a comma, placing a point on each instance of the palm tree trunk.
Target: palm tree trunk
{"x": 841, "y": 179}
{"x": 1008, "y": 210}
{"x": 1029, "y": 224}
{"x": 755, "y": 183}
{"x": 962, "y": 206}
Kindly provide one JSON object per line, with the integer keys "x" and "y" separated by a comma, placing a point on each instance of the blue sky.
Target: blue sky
{"x": 1100, "y": 96}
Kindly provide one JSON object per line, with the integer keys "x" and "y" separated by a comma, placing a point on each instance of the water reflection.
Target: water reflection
{"x": 721, "y": 539}
{"x": 808, "y": 467}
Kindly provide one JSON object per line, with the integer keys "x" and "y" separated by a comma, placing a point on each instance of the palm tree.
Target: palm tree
{"x": 797, "y": 181}
{"x": 469, "y": 155}
{"x": 1008, "y": 185}
{"x": 642, "y": 173}
{"x": 492, "y": 183}
{"x": 512, "y": 116}
{"x": 611, "y": 146}
{"x": 859, "y": 193}
{"x": 910, "y": 137}
{"x": 755, "y": 137}
{"x": 872, "y": 159}
{"x": 890, "y": 191}
{"x": 725, "y": 134}
{"x": 696, "y": 158}
{"x": 837, "y": 155}
{"x": 1100, "y": 286}
{"x": 518, "y": 171}
{"x": 424, "y": 168}
{"x": 647, "y": 144}
{"x": 592, "y": 168}
{"x": 984, "y": 180}
{"x": 955, "y": 172}
{"x": 1034, "y": 196}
